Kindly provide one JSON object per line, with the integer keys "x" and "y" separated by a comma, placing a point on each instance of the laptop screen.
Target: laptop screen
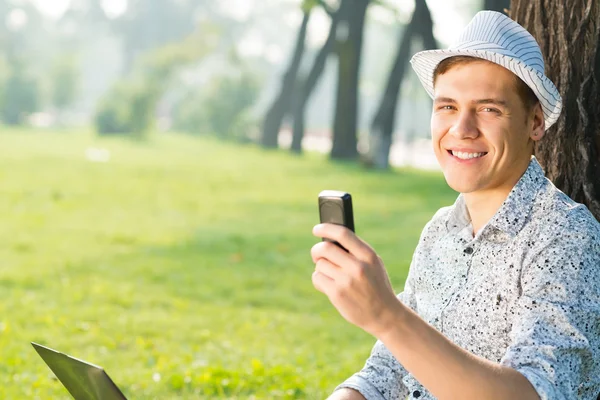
{"x": 83, "y": 380}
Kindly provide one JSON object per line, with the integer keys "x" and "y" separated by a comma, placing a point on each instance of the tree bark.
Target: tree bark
{"x": 425, "y": 28}
{"x": 281, "y": 104}
{"x": 383, "y": 123}
{"x": 496, "y": 5}
{"x": 308, "y": 85}
{"x": 349, "y": 49}
{"x": 569, "y": 38}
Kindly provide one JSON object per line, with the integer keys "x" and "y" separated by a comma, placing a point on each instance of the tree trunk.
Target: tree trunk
{"x": 425, "y": 26}
{"x": 496, "y": 5}
{"x": 349, "y": 48}
{"x": 570, "y": 41}
{"x": 382, "y": 127}
{"x": 281, "y": 104}
{"x": 307, "y": 87}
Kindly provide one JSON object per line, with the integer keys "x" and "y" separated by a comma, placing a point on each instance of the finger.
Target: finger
{"x": 329, "y": 269}
{"x": 344, "y": 236}
{"x": 331, "y": 252}
{"x": 321, "y": 282}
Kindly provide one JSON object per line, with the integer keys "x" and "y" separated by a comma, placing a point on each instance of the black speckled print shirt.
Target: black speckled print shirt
{"x": 524, "y": 292}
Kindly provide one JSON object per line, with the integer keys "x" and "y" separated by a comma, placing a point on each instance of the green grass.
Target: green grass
{"x": 188, "y": 259}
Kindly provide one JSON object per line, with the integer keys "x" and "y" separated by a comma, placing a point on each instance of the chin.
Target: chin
{"x": 461, "y": 185}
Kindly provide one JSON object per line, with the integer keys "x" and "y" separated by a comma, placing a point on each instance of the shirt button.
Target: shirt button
{"x": 416, "y": 394}
{"x": 469, "y": 250}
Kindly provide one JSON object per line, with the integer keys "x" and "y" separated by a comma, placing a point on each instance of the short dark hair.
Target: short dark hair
{"x": 525, "y": 93}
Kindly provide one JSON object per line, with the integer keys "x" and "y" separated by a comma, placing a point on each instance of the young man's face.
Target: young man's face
{"x": 482, "y": 133}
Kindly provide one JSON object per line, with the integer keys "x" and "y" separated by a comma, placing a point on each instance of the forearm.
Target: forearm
{"x": 346, "y": 394}
{"x": 445, "y": 369}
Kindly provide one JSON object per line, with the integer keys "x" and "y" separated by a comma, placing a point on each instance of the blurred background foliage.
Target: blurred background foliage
{"x": 179, "y": 260}
{"x": 138, "y": 67}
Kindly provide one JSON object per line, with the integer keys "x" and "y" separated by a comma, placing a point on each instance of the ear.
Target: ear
{"x": 537, "y": 123}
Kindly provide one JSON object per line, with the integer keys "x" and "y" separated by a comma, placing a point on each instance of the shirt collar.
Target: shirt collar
{"x": 513, "y": 213}
{"x": 459, "y": 216}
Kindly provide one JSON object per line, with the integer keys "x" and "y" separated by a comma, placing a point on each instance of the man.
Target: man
{"x": 502, "y": 300}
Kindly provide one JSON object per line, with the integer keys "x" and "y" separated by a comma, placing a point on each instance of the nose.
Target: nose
{"x": 464, "y": 126}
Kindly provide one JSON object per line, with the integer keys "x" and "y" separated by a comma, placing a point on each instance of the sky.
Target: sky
{"x": 447, "y": 18}
{"x": 57, "y": 7}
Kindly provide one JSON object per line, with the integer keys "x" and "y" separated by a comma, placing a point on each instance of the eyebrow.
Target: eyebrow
{"x": 491, "y": 101}
{"x": 479, "y": 101}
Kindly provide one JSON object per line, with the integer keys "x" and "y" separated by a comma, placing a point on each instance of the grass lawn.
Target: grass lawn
{"x": 183, "y": 265}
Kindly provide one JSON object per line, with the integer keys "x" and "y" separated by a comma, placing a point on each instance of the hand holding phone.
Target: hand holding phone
{"x": 335, "y": 207}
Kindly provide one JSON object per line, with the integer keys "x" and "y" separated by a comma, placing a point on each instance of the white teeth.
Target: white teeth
{"x": 466, "y": 156}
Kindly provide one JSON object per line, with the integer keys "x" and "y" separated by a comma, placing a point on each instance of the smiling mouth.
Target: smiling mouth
{"x": 466, "y": 156}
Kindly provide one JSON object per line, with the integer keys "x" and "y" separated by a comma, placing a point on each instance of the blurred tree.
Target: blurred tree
{"x": 113, "y": 111}
{"x": 20, "y": 93}
{"x": 496, "y": 5}
{"x": 281, "y": 103}
{"x": 307, "y": 85}
{"x": 348, "y": 49}
{"x": 4, "y": 43}
{"x": 4, "y": 71}
{"x": 23, "y": 32}
{"x": 65, "y": 79}
{"x": 85, "y": 12}
{"x": 221, "y": 107}
{"x": 20, "y": 96}
{"x": 5, "y": 9}
{"x": 570, "y": 41}
{"x": 149, "y": 24}
{"x": 382, "y": 127}
{"x": 129, "y": 107}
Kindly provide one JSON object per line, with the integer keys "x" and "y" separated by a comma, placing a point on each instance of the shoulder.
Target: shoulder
{"x": 566, "y": 237}
{"x": 437, "y": 225}
{"x": 559, "y": 218}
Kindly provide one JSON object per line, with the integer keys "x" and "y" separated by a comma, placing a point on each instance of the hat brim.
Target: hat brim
{"x": 425, "y": 62}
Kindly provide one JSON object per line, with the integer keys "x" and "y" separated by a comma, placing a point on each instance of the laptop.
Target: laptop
{"x": 83, "y": 380}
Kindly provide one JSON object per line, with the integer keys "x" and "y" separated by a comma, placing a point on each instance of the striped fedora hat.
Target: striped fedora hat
{"x": 495, "y": 37}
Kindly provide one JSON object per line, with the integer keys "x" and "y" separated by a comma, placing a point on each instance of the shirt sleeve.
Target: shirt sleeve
{"x": 555, "y": 340}
{"x": 381, "y": 377}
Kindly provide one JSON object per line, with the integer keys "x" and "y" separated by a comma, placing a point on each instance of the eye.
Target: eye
{"x": 490, "y": 109}
{"x": 446, "y": 107}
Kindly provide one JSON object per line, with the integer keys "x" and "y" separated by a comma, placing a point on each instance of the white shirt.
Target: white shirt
{"x": 524, "y": 292}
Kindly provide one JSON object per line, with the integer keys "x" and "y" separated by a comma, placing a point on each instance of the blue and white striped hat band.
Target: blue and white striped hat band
{"x": 495, "y": 37}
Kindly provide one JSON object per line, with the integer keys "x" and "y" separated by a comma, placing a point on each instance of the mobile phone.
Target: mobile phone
{"x": 335, "y": 207}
